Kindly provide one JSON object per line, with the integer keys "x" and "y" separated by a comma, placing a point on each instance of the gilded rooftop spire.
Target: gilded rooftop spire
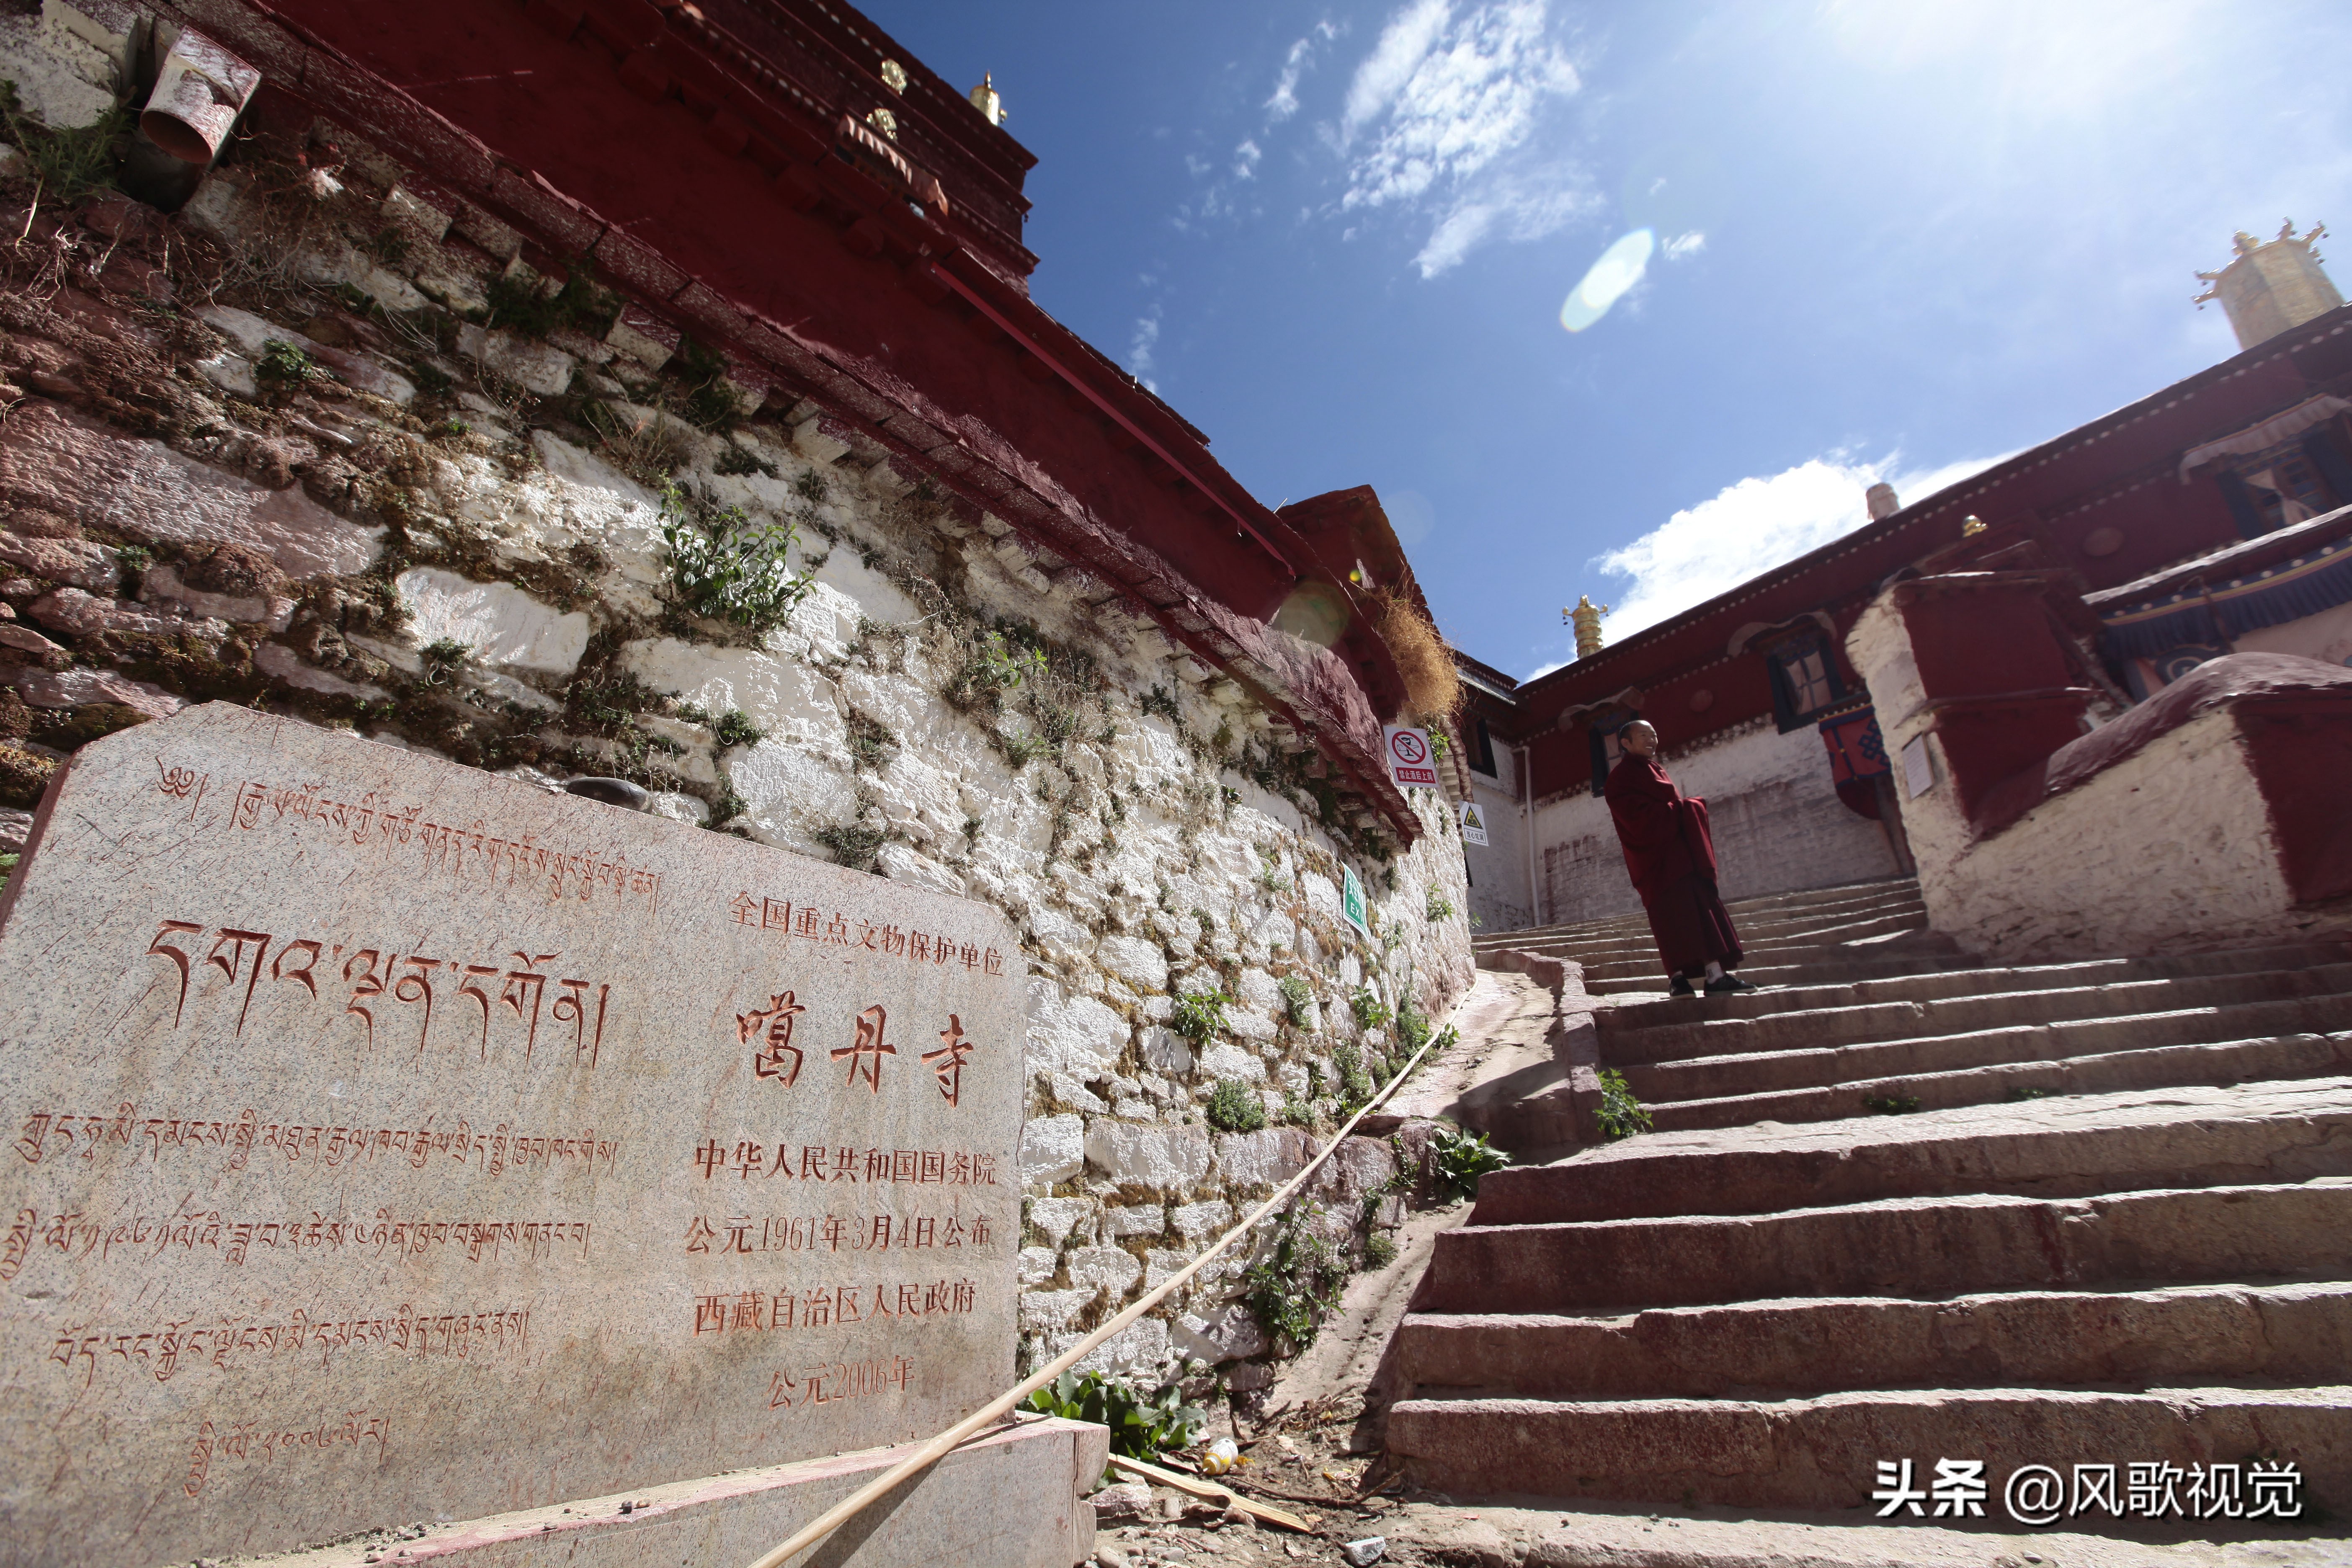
{"x": 1586, "y": 618}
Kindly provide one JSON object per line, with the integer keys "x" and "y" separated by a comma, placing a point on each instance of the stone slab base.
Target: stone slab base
{"x": 1588, "y": 1535}
{"x": 1010, "y": 1499}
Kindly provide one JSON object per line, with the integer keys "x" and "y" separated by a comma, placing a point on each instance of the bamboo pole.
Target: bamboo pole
{"x": 988, "y": 1414}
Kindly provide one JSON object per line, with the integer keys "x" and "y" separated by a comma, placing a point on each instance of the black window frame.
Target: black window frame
{"x": 1598, "y": 734}
{"x": 1482, "y": 760}
{"x": 1777, "y": 660}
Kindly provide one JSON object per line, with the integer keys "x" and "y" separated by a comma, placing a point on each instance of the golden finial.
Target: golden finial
{"x": 1971, "y": 525}
{"x": 1586, "y": 618}
{"x": 894, "y": 76}
{"x": 884, "y": 121}
{"x": 984, "y": 99}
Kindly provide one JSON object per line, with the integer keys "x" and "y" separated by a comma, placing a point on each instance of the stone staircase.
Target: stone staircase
{"x": 1865, "y": 931}
{"x": 1905, "y": 1205}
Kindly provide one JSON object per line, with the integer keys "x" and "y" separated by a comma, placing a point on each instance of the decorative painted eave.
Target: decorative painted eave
{"x": 2125, "y": 451}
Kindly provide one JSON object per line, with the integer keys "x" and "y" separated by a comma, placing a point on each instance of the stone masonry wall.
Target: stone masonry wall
{"x": 320, "y": 444}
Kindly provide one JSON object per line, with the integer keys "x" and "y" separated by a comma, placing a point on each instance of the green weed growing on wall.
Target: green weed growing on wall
{"x": 1234, "y": 1107}
{"x": 731, "y": 568}
{"x": 1200, "y": 1016}
{"x": 1295, "y": 1286}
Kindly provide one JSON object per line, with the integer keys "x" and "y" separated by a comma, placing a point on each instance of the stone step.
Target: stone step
{"x": 1754, "y": 946}
{"x": 1812, "y": 899}
{"x": 2258, "y": 1134}
{"x": 1898, "y": 1246}
{"x": 1643, "y": 960}
{"x": 1753, "y": 934}
{"x": 1703, "y": 1049}
{"x": 1970, "y": 982}
{"x": 2141, "y": 1065}
{"x": 1879, "y": 1046}
{"x": 2207, "y": 1333}
{"x": 1849, "y": 895}
{"x": 1832, "y": 966}
{"x": 1598, "y": 1534}
{"x": 1823, "y": 1453}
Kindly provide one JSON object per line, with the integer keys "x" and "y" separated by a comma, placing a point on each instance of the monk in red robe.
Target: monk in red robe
{"x": 1671, "y": 858}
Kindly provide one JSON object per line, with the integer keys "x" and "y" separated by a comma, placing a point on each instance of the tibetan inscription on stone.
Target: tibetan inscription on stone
{"x": 381, "y": 1139}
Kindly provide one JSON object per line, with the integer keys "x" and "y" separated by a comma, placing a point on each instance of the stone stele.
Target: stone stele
{"x": 390, "y": 1140}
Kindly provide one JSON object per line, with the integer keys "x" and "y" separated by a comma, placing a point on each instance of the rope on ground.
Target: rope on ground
{"x": 996, "y": 1409}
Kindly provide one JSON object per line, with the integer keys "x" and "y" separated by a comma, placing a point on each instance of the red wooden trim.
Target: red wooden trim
{"x": 1108, "y": 409}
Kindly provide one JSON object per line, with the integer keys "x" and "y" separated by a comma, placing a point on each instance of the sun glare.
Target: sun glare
{"x": 1608, "y": 279}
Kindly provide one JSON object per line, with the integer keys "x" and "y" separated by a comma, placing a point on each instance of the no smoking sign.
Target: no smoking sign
{"x": 1408, "y": 758}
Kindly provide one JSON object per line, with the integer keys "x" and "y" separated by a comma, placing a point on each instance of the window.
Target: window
{"x": 1808, "y": 682}
{"x": 1483, "y": 759}
{"x": 1605, "y": 747}
{"x": 1805, "y": 680}
{"x": 2280, "y": 486}
{"x": 2287, "y": 492}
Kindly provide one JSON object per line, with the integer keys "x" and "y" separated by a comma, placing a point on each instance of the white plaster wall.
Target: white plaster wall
{"x": 2326, "y": 636}
{"x": 1778, "y": 823}
{"x": 1499, "y": 894}
{"x": 2202, "y": 869}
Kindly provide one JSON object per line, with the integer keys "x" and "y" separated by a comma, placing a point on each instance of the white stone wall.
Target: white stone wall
{"x": 66, "y": 63}
{"x": 1142, "y": 866}
{"x": 2203, "y": 866}
{"x": 1778, "y": 823}
{"x": 507, "y": 600}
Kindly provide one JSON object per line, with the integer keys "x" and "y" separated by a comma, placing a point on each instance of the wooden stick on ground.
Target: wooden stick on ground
{"x": 1202, "y": 1487}
{"x": 996, "y": 1409}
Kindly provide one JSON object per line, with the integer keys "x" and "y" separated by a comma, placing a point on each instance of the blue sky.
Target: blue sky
{"x": 1897, "y": 239}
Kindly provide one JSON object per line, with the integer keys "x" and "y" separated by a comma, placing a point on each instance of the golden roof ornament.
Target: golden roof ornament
{"x": 1971, "y": 525}
{"x": 984, "y": 99}
{"x": 894, "y": 76}
{"x": 1586, "y": 618}
{"x": 2272, "y": 286}
{"x": 884, "y": 121}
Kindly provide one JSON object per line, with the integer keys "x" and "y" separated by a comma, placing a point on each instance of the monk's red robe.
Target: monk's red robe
{"x": 1671, "y": 857}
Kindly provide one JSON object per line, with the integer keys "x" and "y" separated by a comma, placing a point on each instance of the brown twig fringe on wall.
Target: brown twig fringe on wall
{"x": 1432, "y": 687}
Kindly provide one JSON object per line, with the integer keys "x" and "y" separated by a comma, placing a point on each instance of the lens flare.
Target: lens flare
{"x": 1620, "y": 267}
{"x": 1315, "y": 611}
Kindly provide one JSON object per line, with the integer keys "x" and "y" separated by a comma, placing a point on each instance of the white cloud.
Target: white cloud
{"x": 1753, "y": 526}
{"x": 1444, "y": 114}
{"x": 1284, "y": 103}
{"x": 1245, "y": 157}
{"x": 1403, "y": 43}
{"x": 1141, "y": 348}
{"x": 1455, "y": 237}
{"x": 1685, "y": 245}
